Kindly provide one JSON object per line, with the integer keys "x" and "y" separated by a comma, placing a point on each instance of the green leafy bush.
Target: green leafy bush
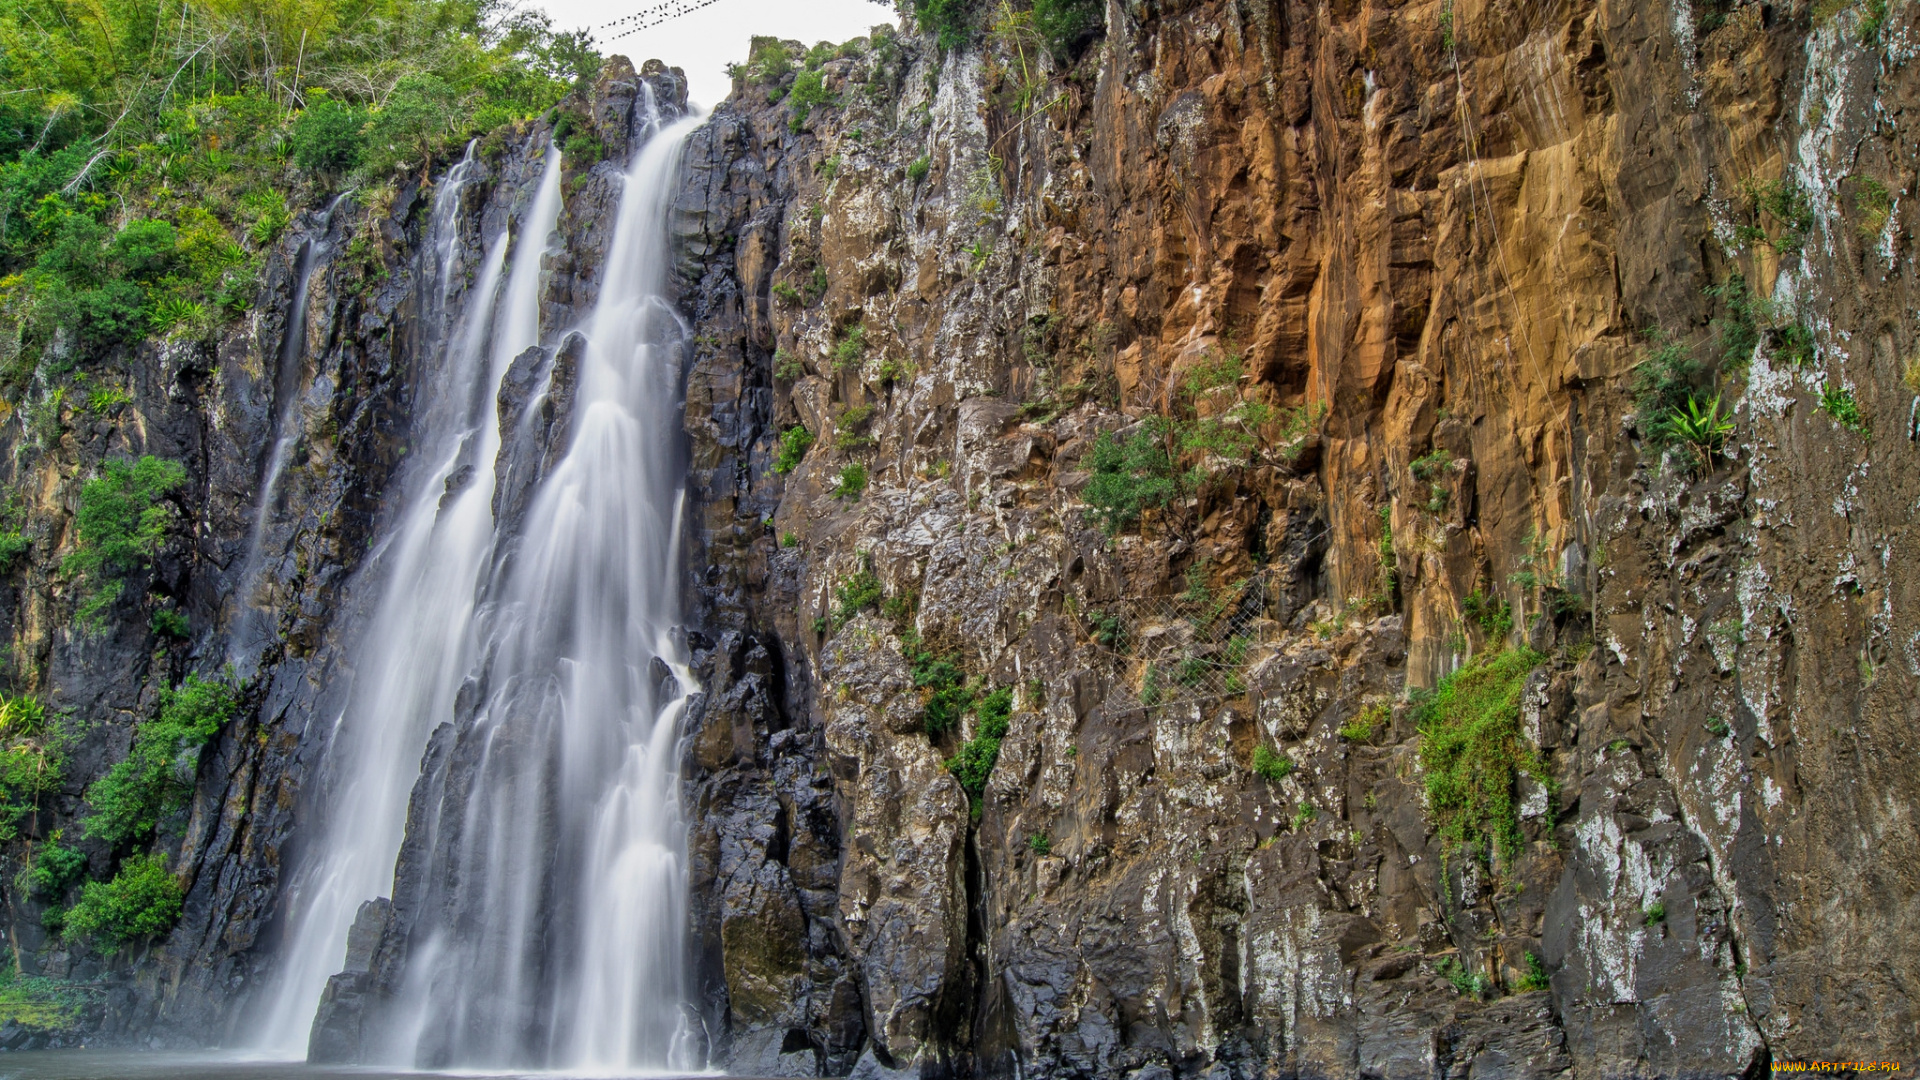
{"x": 1271, "y": 766}
{"x": 794, "y": 444}
{"x": 852, "y": 481}
{"x": 974, "y": 763}
{"x": 857, "y": 594}
{"x": 852, "y": 347}
{"x": 1067, "y": 25}
{"x": 950, "y": 21}
{"x": 142, "y": 900}
{"x": 33, "y": 761}
{"x": 1494, "y": 616}
{"x": 1471, "y": 750}
{"x": 1465, "y": 983}
{"x": 1701, "y": 429}
{"x": 1131, "y": 476}
{"x": 156, "y": 777}
{"x": 169, "y": 622}
{"x": 786, "y": 365}
{"x": 1837, "y": 401}
{"x": 809, "y": 90}
{"x": 917, "y": 171}
{"x": 329, "y": 136}
{"x": 54, "y": 869}
{"x": 1536, "y": 976}
{"x": 120, "y": 526}
{"x": 1040, "y": 843}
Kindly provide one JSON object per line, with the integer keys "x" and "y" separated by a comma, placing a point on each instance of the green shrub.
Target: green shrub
{"x": 1109, "y": 630}
{"x": 120, "y": 526}
{"x": 1039, "y": 843}
{"x": 329, "y": 136}
{"x": 917, "y": 171}
{"x": 809, "y": 90}
{"x": 129, "y": 801}
{"x": 583, "y": 150}
{"x": 794, "y": 444}
{"x": 1663, "y": 383}
{"x": 1131, "y": 476}
{"x": 1304, "y": 815}
{"x": 786, "y": 365}
{"x": 1536, "y": 976}
{"x": 1271, "y": 766}
{"x": 1471, "y": 750}
{"x": 418, "y": 117}
{"x": 1466, "y": 983}
{"x": 54, "y": 869}
{"x": 787, "y": 294}
{"x": 12, "y": 546}
{"x": 1492, "y": 615}
{"x": 1793, "y": 344}
{"x": 949, "y": 21}
{"x": 974, "y": 763}
{"x": 852, "y": 481}
{"x": 1784, "y": 203}
{"x": 169, "y": 622}
{"x": 1430, "y": 466}
{"x": 41, "y": 1003}
{"x": 852, "y": 347}
{"x": 1066, "y": 25}
{"x": 142, "y": 900}
{"x": 1655, "y": 915}
{"x": 1837, "y": 401}
{"x": 857, "y": 594}
{"x": 33, "y": 761}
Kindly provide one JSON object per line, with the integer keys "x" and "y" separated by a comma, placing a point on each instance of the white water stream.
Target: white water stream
{"x": 418, "y": 646}
{"x": 553, "y": 932}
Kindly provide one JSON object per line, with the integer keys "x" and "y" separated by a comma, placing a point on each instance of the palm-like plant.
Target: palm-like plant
{"x": 1701, "y": 428}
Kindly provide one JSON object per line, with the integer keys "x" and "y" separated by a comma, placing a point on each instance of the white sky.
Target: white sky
{"x": 703, "y": 42}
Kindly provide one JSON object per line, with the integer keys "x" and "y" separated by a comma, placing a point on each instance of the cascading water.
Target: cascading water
{"x": 418, "y": 645}
{"x": 553, "y": 926}
{"x": 250, "y": 633}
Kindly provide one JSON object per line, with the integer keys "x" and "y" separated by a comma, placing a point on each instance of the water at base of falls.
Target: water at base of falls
{"x": 167, "y": 1065}
{"x": 547, "y": 920}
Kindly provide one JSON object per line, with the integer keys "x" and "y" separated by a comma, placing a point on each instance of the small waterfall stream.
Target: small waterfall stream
{"x": 252, "y": 630}
{"x": 418, "y": 645}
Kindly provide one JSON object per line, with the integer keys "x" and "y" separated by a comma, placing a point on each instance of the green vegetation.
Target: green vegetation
{"x": 1304, "y": 815}
{"x": 145, "y": 146}
{"x": 54, "y": 869}
{"x": 1655, "y": 915}
{"x": 858, "y": 593}
{"x": 33, "y": 761}
{"x": 1536, "y": 976}
{"x": 788, "y": 295}
{"x": 974, "y": 763}
{"x": 1132, "y": 476}
{"x": 1465, "y": 983}
{"x": 852, "y": 481}
{"x": 1783, "y": 205}
{"x": 794, "y": 444}
{"x": 849, "y": 428}
{"x": 169, "y": 622}
{"x": 1701, "y": 429}
{"x": 948, "y": 20}
{"x": 1362, "y": 727}
{"x": 1873, "y": 205}
{"x": 142, "y": 900}
{"x": 1271, "y": 766}
{"x": 138, "y": 791}
{"x": 809, "y": 91}
{"x": 37, "y": 1002}
{"x": 1873, "y": 15}
{"x": 786, "y": 365}
{"x": 852, "y": 347}
{"x": 1471, "y": 750}
{"x": 789, "y": 540}
{"x": 1428, "y": 469}
{"x": 1039, "y": 843}
{"x": 1067, "y": 25}
{"x": 120, "y": 526}
{"x": 1109, "y": 630}
{"x": 917, "y": 171}
{"x": 1837, "y": 401}
{"x": 1718, "y": 728}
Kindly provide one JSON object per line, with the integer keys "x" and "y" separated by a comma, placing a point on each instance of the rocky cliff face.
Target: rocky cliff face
{"x": 1427, "y": 243}
{"x": 1246, "y": 607}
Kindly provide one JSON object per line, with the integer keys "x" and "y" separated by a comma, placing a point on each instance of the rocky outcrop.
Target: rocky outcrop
{"x": 1430, "y": 239}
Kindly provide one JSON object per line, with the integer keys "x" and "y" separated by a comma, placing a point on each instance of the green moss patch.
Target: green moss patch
{"x": 1472, "y": 751}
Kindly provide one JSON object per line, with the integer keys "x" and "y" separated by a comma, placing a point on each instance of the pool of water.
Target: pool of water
{"x": 157, "y": 1065}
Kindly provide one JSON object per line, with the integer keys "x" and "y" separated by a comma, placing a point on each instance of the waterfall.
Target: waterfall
{"x": 417, "y": 647}
{"x": 553, "y": 927}
{"x": 252, "y": 629}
